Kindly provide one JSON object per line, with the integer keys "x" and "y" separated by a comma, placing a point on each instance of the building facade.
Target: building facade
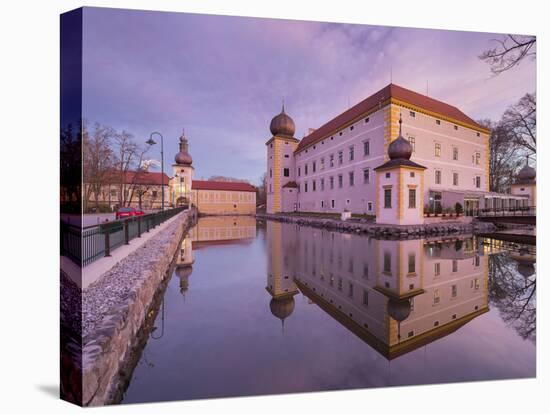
{"x": 332, "y": 169}
{"x": 210, "y": 197}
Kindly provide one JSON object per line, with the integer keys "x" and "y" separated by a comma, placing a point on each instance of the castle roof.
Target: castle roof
{"x": 380, "y": 99}
{"x": 222, "y": 186}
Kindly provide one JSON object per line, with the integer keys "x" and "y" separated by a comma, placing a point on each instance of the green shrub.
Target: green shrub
{"x": 458, "y": 208}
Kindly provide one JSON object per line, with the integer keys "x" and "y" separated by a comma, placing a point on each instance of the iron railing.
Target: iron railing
{"x": 86, "y": 244}
{"x": 508, "y": 211}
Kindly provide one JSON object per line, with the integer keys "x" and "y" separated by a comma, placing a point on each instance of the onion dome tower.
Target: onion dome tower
{"x": 282, "y": 308}
{"x": 399, "y": 185}
{"x": 526, "y": 185}
{"x": 527, "y": 174}
{"x": 399, "y": 310}
{"x": 183, "y": 157}
{"x": 282, "y": 124}
{"x": 281, "y": 164}
{"x": 182, "y": 175}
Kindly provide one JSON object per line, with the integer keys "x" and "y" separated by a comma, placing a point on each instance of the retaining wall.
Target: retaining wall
{"x": 115, "y": 307}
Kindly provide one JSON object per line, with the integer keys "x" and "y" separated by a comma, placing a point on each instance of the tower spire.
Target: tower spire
{"x": 283, "y": 110}
{"x": 400, "y": 122}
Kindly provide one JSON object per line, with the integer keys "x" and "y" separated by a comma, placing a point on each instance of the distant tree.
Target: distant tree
{"x": 261, "y": 190}
{"x": 521, "y": 121}
{"x": 509, "y": 52}
{"x": 227, "y": 179}
{"x": 504, "y": 159}
{"x": 97, "y": 161}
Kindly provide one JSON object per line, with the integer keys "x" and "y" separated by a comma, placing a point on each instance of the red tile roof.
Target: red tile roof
{"x": 390, "y": 91}
{"x": 140, "y": 178}
{"x": 222, "y": 185}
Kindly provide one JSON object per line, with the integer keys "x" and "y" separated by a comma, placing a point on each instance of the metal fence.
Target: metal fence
{"x": 508, "y": 211}
{"x": 86, "y": 244}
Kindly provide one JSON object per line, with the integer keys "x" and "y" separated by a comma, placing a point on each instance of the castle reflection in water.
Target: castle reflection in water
{"x": 396, "y": 295}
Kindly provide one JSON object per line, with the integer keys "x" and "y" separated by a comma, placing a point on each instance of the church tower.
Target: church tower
{"x": 182, "y": 175}
{"x": 280, "y": 164}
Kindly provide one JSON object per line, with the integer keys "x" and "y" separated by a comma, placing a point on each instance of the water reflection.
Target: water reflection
{"x": 396, "y": 295}
{"x": 338, "y": 311}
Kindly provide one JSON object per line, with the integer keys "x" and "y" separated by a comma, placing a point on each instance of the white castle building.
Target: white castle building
{"x": 348, "y": 164}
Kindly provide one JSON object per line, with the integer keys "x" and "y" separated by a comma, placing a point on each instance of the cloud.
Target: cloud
{"x": 223, "y": 78}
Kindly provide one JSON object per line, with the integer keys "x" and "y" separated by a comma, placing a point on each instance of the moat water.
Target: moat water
{"x": 258, "y": 308}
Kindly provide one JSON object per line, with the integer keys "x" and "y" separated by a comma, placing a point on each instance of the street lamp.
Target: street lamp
{"x": 150, "y": 141}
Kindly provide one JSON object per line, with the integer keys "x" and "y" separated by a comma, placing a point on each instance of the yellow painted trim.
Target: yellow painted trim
{"x": 400, "y": 196}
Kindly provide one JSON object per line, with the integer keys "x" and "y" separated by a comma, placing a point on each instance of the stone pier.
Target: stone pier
{"x": 114, "y": 309}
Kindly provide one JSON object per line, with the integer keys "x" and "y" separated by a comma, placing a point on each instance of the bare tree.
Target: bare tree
{"x": 509, "y": 52}
{"x": 504, "y": 159}
{"x": 97, "y": 161}
{"x": 261, "y": 192}
{"x": 521, "y": 121}
{"x": 128, "y": 156}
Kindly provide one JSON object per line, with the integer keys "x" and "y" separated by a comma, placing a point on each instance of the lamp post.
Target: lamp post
{"x": 150, "y": 141}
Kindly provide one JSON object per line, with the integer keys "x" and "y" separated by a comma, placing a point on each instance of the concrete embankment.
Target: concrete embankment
{"x": 383, "y": 230}
{"x": 114, "y": 308}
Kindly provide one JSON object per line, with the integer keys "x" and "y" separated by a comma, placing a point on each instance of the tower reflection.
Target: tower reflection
{"x": 396, "y": 295}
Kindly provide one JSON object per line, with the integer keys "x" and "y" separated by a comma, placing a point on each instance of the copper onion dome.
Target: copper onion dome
{"x": 282, "y": 308}
{"x": 527, "y": 173}
{"x": 282, "y": 124}
{"x": 399, "y": 309}
{"x": 183, "y": 157}
{"x": 400, "y": 148}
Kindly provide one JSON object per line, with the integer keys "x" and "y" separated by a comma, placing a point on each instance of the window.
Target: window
{"x": 411, "y": 174}
{"x": 455, "y": 265}
{"x": 387, "y": 198}
{"x": 322, "y": 184}
{"x": 438, "y": 176}
{"x": 305, "y": 169}
{"x": 455, "y": 153}
{"x": 410, "y": 334}
{"x": 154, "y": 193}
{"x": 412, "y": 197}
{"x": 478, "y": 181}
{"x": 476, "y": 283}
{"x": 322, "y": 204}
{"x": 351, "y": 153}
{"x": 437, "y": 122}
{"x": 455, "y": 178}
{"x": 437, "y": 151}
{"x": 351, "y": 179}
{"x": 340, "y": 283}
{"x": 365, "y": 297}
{"x": 387, "y": 262}
{"x": 477, "y": 134}
{"x": 454, "y": 291}
{"x": 331, "y": 183}
{"x": 366, "y": 175}
{"x": 314, "y": 185}
{"x": 286, "y": 172}
{"x": 322, "y": 164}
{"x": 366, "y": 270}
{"x": 369, "y": 206}
{"x": 437, "y": 269}
{"x": 412, "y": 141}
{"x": 314, "y": 166}
{"x": 340, "y": 181}
{"x": 340, "y": 157}
{"x": 351, "y": 128}
{"x": 477, "y": 261}
{"x": 350, "y": 290}
{"x": 299, "y": 171}
{"x": 340, "y": 133}
{"x": 478, "y": 158}
{"x": 270, "y": 173}
{"x": 436, "y": 296}
{"x": 412, "y": 114}
{"x": 366, "y": 148}
{"x": 305, "y": 187}
{"x": 456, "y": 127}
{"x": 331, "y": 160}
{"x": 366, "y": 120}
{"x": 331, "y": 202}
{"x": 388, "y": 175}
{"x": 412, "y": 263}
{"x": 287, "y": 156}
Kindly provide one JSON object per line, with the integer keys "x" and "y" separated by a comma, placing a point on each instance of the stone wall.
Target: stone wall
{"x": 115, "y": 307}
{"x": 365, "y": 226}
